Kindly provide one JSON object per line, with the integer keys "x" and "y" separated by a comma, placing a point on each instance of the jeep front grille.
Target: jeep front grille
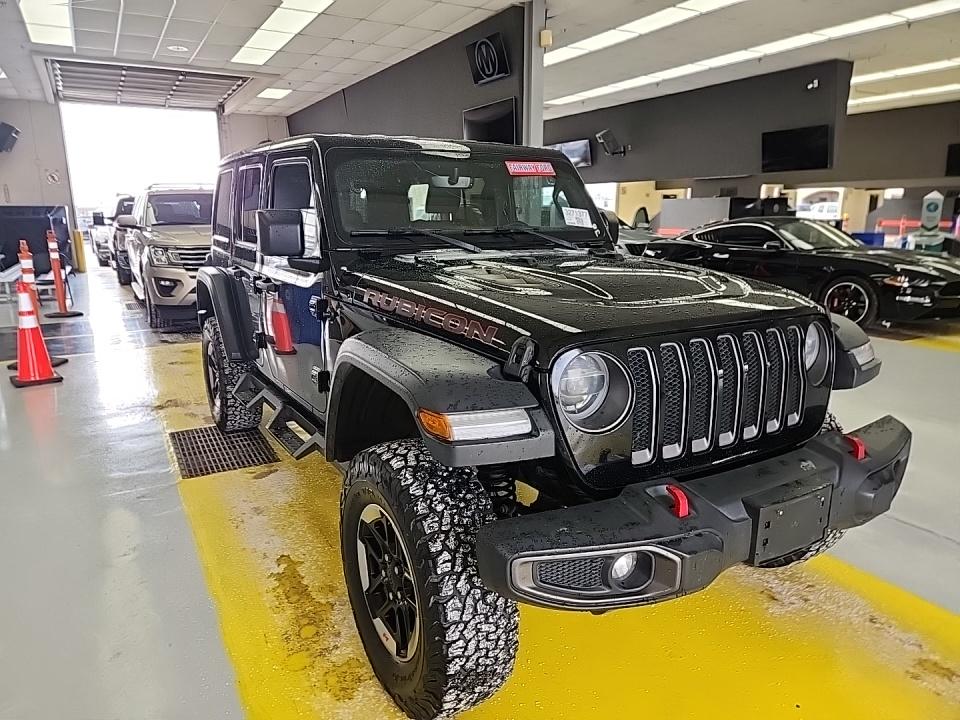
{"x": 710, "y": 392}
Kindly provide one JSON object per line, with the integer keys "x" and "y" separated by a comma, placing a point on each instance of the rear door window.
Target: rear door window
{"x": 249, "y": 198}
{"x": 222, "y": 217}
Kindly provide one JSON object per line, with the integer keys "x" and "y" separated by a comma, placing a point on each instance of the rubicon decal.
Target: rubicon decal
{"x": 438, "y": 318}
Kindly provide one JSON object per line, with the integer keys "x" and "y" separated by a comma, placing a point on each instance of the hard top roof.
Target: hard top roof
{"x": 325, "y": 141}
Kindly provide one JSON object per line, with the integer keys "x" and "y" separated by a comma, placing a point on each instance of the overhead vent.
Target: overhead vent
{"x": 137, "y": 85}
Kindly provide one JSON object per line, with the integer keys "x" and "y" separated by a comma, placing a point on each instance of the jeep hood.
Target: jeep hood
{"x": 179, "y": 235}
{"x": 560, "y": 299}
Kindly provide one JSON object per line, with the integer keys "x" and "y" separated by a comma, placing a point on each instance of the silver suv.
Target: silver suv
{"x": 167, "y": 240}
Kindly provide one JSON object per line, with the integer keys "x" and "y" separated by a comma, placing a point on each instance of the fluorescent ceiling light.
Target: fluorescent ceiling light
{"x": 905, "y": 94}
{"x": 928, "y": 10}
{"x": 679, "y": 71}
{"x": 566, "y": 99}
{"x": 277, "y": 30}
{"x": 729, "y": 58}
{"x": 273, "y": 93}
{"x": 635, "y": 82}
{"x": 857, "y": 27}
{"x": 642, "y": 26}
{"x": 787, "y": 44}
{"x": 2, "y": 74}
{"x": 905, "y": 71}
{"x": 48, "y": 21}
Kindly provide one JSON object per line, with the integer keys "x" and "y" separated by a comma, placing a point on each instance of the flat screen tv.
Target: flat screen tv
{"x": 577, "y": 150}
{"x": 806, "y": 148}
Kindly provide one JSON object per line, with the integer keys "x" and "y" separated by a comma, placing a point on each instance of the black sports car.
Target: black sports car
{"x": 815, "y": 259}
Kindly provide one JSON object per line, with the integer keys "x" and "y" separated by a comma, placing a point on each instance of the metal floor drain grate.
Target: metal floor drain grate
{"x": 206, "y": 450}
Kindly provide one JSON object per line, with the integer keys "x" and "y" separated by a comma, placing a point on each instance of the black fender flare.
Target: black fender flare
{"x": 426, "y": 372}
{"x": 849, "y": 372}
{"x": 221, "y": 295}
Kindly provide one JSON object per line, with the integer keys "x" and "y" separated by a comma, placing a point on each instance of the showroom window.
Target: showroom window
{"x": 250, "y": 178}
{"x": 291, "y": 188}
{"x": 223, "y": 221}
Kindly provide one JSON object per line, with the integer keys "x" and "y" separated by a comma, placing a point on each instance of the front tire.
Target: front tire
{"x": 123, "y": 276}
{"x": 852, "y": 297}
{"x": 220, "y": 376}
{"x": 154, "y": 319}
{"x": 438, "y": 640}
{"x": 830, "y": 538}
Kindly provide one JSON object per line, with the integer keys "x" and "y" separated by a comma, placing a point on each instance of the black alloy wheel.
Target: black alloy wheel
{"x": 853, "y": 298}
{"x": 387, "y": 581}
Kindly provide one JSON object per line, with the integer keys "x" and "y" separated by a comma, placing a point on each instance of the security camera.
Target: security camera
{"x": 610, "y": 144}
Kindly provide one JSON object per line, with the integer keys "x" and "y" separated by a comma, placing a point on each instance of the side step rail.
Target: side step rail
{"x": 252, "y": 391}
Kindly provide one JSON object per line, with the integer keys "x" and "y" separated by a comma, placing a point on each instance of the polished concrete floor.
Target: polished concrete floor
{"x": 128, "y": 593}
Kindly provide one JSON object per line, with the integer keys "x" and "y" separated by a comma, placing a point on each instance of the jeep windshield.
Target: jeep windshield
{"x": 410, "y": 198}
{"x": 180, "y": 208}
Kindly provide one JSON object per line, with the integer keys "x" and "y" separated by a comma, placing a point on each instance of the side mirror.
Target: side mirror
{"x": 98, "y": 219}
{"x": 280, "y": 233}
{"x": 772, "y": 245}
{"x": 127, "y": 221}
{"x": 613, "y": 225}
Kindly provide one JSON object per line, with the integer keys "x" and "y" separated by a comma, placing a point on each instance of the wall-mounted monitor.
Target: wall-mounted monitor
{"x": 577, "y": 150}
{"x": 806, "y": 148}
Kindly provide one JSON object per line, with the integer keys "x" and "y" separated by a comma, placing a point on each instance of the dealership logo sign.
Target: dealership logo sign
{"x": 488, "y": 59}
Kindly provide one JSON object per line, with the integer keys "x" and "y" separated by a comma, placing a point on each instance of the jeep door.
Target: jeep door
{"x": 291, "y": 295}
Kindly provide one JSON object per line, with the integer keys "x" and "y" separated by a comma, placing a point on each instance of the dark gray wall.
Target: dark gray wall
{"x": 425, "y": 94}
{"x": 711, "y": 131}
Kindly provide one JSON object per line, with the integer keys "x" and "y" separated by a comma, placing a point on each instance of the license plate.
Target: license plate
{"x": 785, "y": 524}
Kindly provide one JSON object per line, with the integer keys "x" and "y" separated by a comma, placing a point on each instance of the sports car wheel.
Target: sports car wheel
{"x": 853, "y": 298}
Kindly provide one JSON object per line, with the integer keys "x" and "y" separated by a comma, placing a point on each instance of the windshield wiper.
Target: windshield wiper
{"x": 510, "y": 229}
{"x": 412, "y": 232}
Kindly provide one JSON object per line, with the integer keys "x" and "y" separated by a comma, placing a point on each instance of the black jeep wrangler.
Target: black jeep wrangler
{"x": 523, "y": 414}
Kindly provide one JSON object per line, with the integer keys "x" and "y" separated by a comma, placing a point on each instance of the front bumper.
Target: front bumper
{"x": 907, "y": 304}
{"x": 170, "y": 286}
{"x": 754, "y": 514}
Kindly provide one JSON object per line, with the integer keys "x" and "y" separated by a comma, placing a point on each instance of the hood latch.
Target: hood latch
{"x": 520, "y": 360}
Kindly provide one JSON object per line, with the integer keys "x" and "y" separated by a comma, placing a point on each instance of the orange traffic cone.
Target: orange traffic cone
{"x": 33, "y": 361}
{"x": 280, "y": 326}
{"x": 58, "y": 282}
{"x": 28, "y": 276}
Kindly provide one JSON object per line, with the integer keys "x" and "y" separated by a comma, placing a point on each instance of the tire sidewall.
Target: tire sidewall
{"x": 405, "y": 677}
{"x": 212, "y": 337}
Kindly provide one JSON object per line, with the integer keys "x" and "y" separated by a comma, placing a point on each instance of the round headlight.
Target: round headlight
{"x": 593, "y": 390}
{"x": 811, "y": 346}
{"x": 583, "y": 386}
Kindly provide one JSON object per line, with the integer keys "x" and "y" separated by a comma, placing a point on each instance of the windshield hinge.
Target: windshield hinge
{"x": 520, "y": 360}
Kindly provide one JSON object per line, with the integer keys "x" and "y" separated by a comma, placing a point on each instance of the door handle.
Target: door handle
{"x": 721, "y": 256}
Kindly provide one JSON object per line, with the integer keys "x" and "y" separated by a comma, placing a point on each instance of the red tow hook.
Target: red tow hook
{"x": 681, "y": 504}
{"x": 857, "y": 447}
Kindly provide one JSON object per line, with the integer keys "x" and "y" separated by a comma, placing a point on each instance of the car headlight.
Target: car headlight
{"x": 903, "y": 281}
{"x": 816, "y": 354}
{"x": 592, "y": 390}
{"x": 159, "y": 256}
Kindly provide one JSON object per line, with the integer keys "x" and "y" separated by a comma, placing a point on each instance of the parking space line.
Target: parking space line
{"x": 822, "y": 641}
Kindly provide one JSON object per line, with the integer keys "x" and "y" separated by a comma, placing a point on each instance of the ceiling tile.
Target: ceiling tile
{"x": 318, "y": 64}
{"x": 89, "y": 40}
{"x": 145, "y": 25}
{"x": 205, "y": 10}
{"x": 399, "y": 12}
{"x": 335, "y": 78}
{"x": 158, "y": 8}
{"x": 467, "y": 21}
{"x": 353, "y": 66}
{"x": 404, "y": 37}
{"x": 377, "y": 53}
{"x": 468, "y": 3}
{"x": 367, "y": 31}
{"x": 248, "y": 13}
{"x": 358, "y": 9}
{"x": 338, "y": 48}
{"x": 329, "y": 26}
{"x": 96, "y": 20}
{"x": 430, "y": 41}
{"x": 229, "y": 34}
{"x": 440, "y": 16}
{"x": 300, "y": 75}
{"x": 107, "y": 5}
{"x": 186, "y": 30}
{"x": 214, "y": 51}
{"x": 136, "y": 44}
{"x": 284, "y": 59}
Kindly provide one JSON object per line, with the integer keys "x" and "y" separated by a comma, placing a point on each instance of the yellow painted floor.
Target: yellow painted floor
{"x": 822, "y": 641}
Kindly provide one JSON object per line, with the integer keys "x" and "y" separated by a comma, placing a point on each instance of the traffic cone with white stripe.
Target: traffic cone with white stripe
{"x": 58, "y": 281}
{"x": 280, "y": 328}
{"x": 33, "y": 360}
{"x": 29, "y": 278}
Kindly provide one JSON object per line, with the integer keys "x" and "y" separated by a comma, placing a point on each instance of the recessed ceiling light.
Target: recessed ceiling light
{"x": 178, "y": 48}
{"x": 905, "y": 71}
{"x": 48, "y": 21}
{"x": 729, "y": 58}
{"x": 905, "y": 94}
{"x": 790, "y": 43}
{"x": 280, "y": 28}
{"x": 928, "y": 10}
{"x": 273, "y": 93}
{"x": 868, "y": 24}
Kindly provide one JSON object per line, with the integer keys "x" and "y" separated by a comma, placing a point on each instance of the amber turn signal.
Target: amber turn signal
{"x": 436, "y": 424}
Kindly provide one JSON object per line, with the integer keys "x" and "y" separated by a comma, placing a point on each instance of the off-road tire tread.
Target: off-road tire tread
{"x": 830, "y": 538}
{"x": 470, "y": 634}
{"x": 234, "y": 414}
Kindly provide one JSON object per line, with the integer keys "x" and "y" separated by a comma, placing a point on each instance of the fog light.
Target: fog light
{"x": 623, "y": 566}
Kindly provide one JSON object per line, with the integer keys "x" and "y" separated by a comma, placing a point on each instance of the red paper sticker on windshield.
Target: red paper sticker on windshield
{"x": 527, "y": 167}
